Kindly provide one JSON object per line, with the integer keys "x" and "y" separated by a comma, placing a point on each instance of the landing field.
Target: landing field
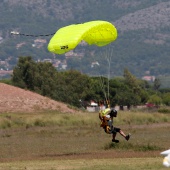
{"x": 53, "y": 140}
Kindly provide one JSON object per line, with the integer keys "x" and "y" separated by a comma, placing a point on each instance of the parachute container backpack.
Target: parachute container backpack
{"x": 99, "y": 33}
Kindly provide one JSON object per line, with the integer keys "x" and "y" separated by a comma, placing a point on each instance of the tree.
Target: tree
{"x": 72, "y": 86}
{"x": 166, "y": 99}
{"x": 75, "y": 87}
{"x": 126, "y": 97}
{"x": 132, "y": 90}
{"x": 157, "y": 84}
{"x": 23, "y": 73}
{"x": 45, "y": 79}
{"x": 38, "y": 77}
{"x": 155, "y": 99}
{"x": 130, "y": 79}
{"x": 98, "y": 88}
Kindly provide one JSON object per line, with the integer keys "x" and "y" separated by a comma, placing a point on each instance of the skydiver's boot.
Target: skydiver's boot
{"x": 128, "y": 137}
{"x": 115, "y": 140}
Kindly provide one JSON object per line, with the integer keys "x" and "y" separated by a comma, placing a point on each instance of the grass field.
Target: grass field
{"x": 52, "y": 141}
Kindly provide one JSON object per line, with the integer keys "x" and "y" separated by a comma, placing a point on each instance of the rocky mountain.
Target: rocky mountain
{"x": 143, "y": 44}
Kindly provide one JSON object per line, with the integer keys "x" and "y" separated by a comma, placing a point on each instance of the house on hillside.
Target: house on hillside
{"x": 95, "y": 63}
{"x": 73, "y": 54}
{"x": 38, "y": 43}
{"x": 148, "y": 78}
{"x": 20, "y": 45}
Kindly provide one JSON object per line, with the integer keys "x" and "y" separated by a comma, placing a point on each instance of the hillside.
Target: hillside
{"x": 151, "y": 18}
{"x": 143, "y": 34}
{"x": 14, "y": 99}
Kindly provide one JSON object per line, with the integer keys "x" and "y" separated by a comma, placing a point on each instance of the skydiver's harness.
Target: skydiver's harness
{"x": 107, "y": 122}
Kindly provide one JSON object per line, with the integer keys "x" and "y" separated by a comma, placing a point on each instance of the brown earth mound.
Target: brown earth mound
{"x": 14, "y": 99}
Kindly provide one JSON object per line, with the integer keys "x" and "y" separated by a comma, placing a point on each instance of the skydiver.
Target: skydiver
{"x": 106, "y": 117}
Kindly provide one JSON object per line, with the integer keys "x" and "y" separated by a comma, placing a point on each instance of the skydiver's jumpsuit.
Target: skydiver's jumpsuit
{"x": 107, "y": 122}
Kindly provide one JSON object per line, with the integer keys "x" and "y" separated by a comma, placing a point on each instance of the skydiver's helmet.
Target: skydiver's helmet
{"x": 113, "y": 113}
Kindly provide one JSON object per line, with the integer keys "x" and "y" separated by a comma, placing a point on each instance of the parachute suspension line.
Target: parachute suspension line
{"x": 108, "y": 60}
{"x": 102, "y": 87}
{"x": 101, "y": 83}
{"x": 18, "y": 33}
{"x": 108, "y": 56}
{"x": 108, "y": 75}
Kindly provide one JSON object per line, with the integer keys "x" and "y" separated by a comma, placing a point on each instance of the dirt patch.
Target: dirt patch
{"x": 14, "y": 99}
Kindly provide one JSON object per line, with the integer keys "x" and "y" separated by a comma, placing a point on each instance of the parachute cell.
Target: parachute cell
{"x": 98, "y": 33}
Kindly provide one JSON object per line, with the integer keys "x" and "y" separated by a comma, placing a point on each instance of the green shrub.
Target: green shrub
{"x": 39, "y": 122}
{"x": 164, "y": 110}
{"x": 5, "y": 124}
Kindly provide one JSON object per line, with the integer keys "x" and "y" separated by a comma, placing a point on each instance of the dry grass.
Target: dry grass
{"x": 53, "y": 137}
{"x": 84, "y": 164}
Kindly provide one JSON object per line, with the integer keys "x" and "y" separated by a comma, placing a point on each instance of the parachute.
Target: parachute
{"x": 98, "y": 33}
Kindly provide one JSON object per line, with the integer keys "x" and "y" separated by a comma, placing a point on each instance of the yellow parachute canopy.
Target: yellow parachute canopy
{"x": 98, "y": 33}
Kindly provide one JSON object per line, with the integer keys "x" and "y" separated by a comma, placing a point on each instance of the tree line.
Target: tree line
{"x": 74, "y": 88}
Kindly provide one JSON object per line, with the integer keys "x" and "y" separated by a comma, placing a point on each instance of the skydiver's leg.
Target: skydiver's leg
{"x": 122, "y": 133}
{"x": 114, "y": 133}
{"x": 113, "y": 137}
{"x": 114, "y": 140}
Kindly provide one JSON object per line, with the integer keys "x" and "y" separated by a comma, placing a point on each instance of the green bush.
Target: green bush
{"x": 164, "y": 110}
{"x": 39, "y": 122}
{"x": 5, "y": 124}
